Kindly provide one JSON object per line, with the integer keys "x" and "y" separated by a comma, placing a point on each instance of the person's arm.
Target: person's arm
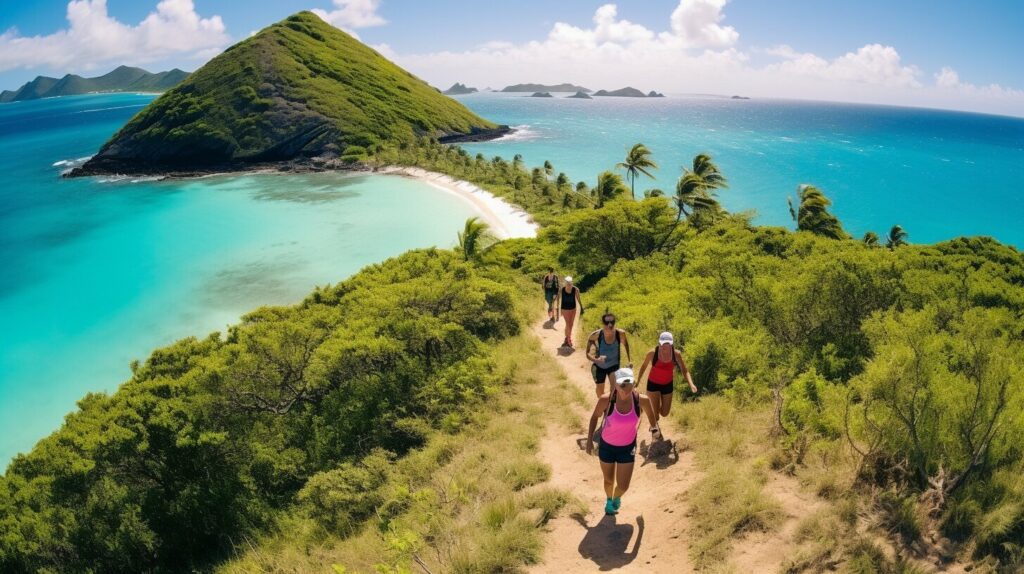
{"x": 686, "y": 372}
{"x": 558, "y": 304}
{"x": 645, "y": 405}
{"x": 579, "y": 301}
{"x": 602, "y": 405}
{"x": 629, "y": 356}
{"x": 643, "y": 367}
{"x": 592, "y": 344}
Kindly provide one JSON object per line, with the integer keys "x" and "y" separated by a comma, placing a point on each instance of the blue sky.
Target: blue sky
{"x": 767, "y": 43}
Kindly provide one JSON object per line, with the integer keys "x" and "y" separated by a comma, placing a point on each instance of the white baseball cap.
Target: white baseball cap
{"x": 665, "y": 337}
{"x": 568, "y": 278}
{"x": 624, "y": 377}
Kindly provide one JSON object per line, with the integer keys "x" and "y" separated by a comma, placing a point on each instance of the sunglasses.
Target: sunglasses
{"x": 612, "y": 322}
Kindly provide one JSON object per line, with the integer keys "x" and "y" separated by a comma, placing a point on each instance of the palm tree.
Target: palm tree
{"x": 870, "y": 239}
{"x": 897, "y": 237}
{"x": 638, "y": 160}
{"x": 609, "y": 185}
{"x": 813, "y": 215}
{"x": 548, "y": 168}
{"x": 517, "y": 161}
{"x": 562, "y": 182}
{"x": 475, "y": 238}
{"x": 696, "y": 187}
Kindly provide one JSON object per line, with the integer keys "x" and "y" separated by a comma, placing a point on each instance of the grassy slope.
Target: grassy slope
{"x": 471, "y": 501}
{"x": 298, "y": 86}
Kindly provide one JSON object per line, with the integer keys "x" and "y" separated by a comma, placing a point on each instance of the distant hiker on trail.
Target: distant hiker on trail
{"x": 551, "y": 286}
{"x": 568, "y": 303}
{"x": 607, "y": 343}
{"x": 617, "y": 438}
{"x": 664, "y": 360}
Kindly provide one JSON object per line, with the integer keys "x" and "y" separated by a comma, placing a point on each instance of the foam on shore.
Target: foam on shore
{"x": 506, "y": 220}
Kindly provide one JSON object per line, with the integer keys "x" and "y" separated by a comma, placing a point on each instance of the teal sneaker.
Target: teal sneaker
{"x": 616, "y": 503}
{"x": 610, "y": 507}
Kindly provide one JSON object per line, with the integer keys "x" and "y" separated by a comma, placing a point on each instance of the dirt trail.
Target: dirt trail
{"x": 650, "y": 532}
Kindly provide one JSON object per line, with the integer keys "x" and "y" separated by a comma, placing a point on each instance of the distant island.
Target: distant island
{"x": 300, "y": 94}
{"x": 545, "y": 88}
{"x": 628, "y": 92}
{"x": 121, "y": 79}
{"x": 739, "y": 98}
{"x": 458, "y": 89}
{"x": 581, "y": 96}
{"x": 541, "y": 95}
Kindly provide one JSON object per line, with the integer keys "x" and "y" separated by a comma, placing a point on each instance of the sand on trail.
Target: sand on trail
{"x": 650, "y": 533}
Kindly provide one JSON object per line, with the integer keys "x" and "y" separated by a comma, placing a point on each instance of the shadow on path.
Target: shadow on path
{"x": 606, "y": 543}
{"x": 662, "y": 453}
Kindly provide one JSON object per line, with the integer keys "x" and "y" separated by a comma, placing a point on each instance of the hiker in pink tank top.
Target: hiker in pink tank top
{"x": 617, "y": 438}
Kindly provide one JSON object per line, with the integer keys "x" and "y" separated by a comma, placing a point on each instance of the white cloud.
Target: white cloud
{"x": 352, "y": 14}
{"x": 696, "y": 22}
{"x": 948, "y": 80}
{"x": 696, "y": 53}
{"x": 871, "y": 64}
{"x": 94, "y": 38}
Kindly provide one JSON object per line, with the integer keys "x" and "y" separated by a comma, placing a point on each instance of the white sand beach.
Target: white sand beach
{"x": 506, "y": 220}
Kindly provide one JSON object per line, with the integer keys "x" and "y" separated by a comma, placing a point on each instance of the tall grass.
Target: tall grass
{"x": 471, "y": 501}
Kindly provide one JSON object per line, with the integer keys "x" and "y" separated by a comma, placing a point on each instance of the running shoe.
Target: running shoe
{"x": 610, "y": 507}
{"x": 617, "y": 503}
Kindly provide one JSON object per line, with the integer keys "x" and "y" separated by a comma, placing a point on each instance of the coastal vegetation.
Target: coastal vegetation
{"x": 886, "y": 380}
{"x": 638, "y": 162}
{"x": 392, "y": 421}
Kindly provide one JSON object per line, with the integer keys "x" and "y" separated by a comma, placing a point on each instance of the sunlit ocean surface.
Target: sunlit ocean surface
{"x": 939, "y": 174}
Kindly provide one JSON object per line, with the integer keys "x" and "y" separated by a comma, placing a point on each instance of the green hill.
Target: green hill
{"x": 121, "y": 79}
{"x": 297, "y": 90}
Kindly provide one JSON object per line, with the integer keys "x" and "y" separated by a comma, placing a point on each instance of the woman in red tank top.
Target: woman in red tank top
{"x": 663, "y": 360}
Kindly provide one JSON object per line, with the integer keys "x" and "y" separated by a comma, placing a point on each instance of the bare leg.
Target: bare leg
{"x": 570, "y": 319}
{"x": 666, "y": 405}
{"x": 623, "y": 474}
{"x": 608, "y": 470}
{"x": 655, "y": 397}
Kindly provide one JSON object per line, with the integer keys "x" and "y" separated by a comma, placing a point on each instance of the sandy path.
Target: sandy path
{"x": 649, "y": 533}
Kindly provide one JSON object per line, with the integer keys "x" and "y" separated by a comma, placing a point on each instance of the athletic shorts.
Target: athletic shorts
{"x": 601, "y": 375}
{"x": 621, "y": 454}
{"x": 549, "y": 296}
{"x": 659, "y": 388}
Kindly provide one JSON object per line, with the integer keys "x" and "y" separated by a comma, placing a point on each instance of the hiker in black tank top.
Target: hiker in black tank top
{"x": 569, "y": 297}
{"x": 551, "y": 286}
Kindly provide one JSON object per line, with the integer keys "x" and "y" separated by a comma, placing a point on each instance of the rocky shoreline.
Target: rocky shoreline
{"x": 314, "y": 164}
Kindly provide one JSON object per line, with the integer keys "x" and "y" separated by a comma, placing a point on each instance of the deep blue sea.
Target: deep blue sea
{"x": 95, "y": 273}
{"x": 98, "y": 272}
{"x": 939, "y": 174}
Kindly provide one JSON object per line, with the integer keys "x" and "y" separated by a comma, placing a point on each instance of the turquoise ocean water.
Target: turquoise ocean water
{"x": 940, "y": 174}
{"x": 96, "y": 273}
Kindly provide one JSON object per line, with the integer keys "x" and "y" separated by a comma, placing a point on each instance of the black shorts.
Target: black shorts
{"x": 549, "y": 296}
{"x": 659, "y": 388}
{"x": 601, "y": 375}
{"x": 621, "y": 454}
